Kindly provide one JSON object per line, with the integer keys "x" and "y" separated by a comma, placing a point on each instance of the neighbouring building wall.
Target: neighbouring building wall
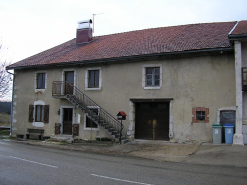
{"x": 204, "y": 82}
{"x": 244, "y": 65}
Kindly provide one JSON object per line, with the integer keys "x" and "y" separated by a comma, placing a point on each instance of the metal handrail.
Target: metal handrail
{"x": 66, "y": 89}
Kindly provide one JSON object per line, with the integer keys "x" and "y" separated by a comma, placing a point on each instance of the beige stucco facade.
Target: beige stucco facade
{"x": 200, "y": 81}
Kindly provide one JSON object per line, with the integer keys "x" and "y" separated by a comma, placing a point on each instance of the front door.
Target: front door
{"x": 227, "y": 117}
{"x": 152, "y": 121}
{"x": 67, "y": 121}
{"x": 69, "y": 79}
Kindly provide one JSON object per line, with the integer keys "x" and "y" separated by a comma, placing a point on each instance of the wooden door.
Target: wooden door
{"x": 152, "y": 121}
{"x": 67, "y": 121}
{"x": 69, "y": 79}
{"x": 227, "y": 117}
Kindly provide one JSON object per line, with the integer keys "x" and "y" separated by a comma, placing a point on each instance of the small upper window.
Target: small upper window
{"x": 93, "y": 80}
{"x": 40, "y": 80}
{"x": 152, "y": 76}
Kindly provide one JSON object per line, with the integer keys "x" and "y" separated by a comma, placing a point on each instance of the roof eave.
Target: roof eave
{"x": 128, "y": 58}
{"x": 238, "y": 37}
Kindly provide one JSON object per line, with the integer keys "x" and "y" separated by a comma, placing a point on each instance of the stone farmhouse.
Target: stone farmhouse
{"x": 173, "y": 83}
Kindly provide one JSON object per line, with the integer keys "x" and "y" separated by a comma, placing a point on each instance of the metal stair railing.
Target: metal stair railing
{"x": 101, "y": 117}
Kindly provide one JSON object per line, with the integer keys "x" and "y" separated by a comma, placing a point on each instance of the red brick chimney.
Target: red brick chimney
{"x": 84, "y": 32}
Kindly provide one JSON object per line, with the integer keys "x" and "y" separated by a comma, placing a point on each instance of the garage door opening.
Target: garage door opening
{"x": 152, "y": 120}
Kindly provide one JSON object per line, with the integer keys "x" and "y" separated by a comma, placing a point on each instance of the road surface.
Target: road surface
{"x": 27, "y": 164}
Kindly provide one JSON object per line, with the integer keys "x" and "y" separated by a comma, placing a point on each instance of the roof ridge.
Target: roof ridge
{"x": 164, "y": 27}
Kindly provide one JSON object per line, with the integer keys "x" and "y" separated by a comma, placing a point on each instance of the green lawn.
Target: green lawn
{"x": 4, "y": 120}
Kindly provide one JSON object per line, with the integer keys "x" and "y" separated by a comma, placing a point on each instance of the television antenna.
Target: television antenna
{"x": 93, "y": 18}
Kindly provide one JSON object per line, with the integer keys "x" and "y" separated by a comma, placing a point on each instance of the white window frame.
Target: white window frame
{"x": 35, "y": 81}
{"x": 144, "y": 76}
{"x": 87, "y": 77}
{"x": 37, "y": 124}
{"x": 88, "y": 128}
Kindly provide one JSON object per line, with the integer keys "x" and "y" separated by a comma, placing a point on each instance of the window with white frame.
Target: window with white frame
{"x": 93, "y": 79}
{"x": 38, "y": 113}
{"x": 152, "y": 76}
{"x": 88, "y": 123}
{"x": 40, "y": 81}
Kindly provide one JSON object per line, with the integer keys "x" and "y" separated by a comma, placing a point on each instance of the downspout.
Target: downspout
{"x": 11, "y": 117}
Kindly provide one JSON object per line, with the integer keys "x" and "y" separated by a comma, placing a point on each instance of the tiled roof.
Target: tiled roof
{"x": 135, "y": 43}
{"x": 240, "y": 29}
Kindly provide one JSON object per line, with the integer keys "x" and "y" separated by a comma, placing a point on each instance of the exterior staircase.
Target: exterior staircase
{"x": 97, "y": 114}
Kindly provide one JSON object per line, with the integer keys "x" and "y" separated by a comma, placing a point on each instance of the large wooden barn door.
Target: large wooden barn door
{"x": 152, "y": 121}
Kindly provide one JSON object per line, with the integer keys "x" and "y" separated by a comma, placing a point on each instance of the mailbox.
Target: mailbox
{"x": 121, "y": 115}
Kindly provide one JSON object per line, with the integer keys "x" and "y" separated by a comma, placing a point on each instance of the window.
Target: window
{"x": 90, "y": 123}
{"x": 152, "y": 76}
{"x": 200, "y": 115}
{"x": 93, "y": 80}
{"x": 40, "y": 81}
{"x": 39, "y": 113}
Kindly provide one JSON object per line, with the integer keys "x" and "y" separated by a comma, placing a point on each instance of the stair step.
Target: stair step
{"x": 109, "y": 123}
{"x": 103, "y": 124}
{"x": 109, "y": 128}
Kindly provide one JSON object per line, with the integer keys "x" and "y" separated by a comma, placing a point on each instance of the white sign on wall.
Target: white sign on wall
{"x": 78, "y": 118}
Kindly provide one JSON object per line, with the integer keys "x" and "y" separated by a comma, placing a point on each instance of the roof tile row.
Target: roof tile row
{"x": 142, "y": 42}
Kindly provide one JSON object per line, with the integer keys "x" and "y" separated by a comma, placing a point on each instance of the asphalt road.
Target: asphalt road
{"x": 26, "y": 164}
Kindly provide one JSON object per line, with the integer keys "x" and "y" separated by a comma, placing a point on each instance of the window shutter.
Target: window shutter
{"x": 46, "y": 114}
{"x": 30, "y": 116}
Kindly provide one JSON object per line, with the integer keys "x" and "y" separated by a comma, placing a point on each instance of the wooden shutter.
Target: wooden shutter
{"x": 30, "y": 116}
{"x": 75, "y": 129}
{"x": 46, "y": 114}
{"x": 57, "y": 128}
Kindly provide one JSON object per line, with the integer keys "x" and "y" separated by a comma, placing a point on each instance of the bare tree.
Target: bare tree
{"x": 5, "y": 78}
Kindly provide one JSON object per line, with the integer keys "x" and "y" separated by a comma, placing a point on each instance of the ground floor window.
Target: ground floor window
{"x": 200, "y": 115}
{"x": 90, "y": 123}
{"x": 39, "y": 113}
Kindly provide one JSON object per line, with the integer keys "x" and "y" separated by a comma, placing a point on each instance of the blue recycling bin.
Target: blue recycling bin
{"x": 229, "y": 129}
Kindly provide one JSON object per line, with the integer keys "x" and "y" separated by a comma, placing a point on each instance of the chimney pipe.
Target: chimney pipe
{"x": 84, "y": 32}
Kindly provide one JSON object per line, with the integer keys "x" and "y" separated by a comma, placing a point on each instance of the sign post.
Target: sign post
{"x": 121, "y": 116}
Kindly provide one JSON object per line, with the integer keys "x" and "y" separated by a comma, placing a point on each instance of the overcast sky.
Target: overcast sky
{"x": 28, "y": 27}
